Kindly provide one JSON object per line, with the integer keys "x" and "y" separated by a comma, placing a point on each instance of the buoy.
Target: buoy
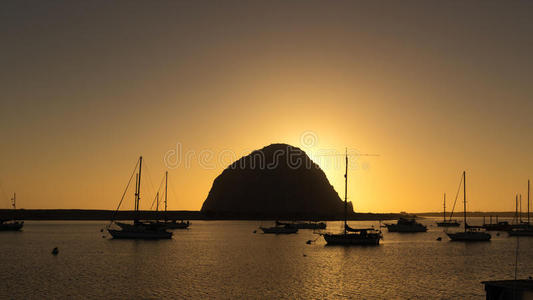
{"x": 55, "y": 251}
{"x": 439, "y": 239}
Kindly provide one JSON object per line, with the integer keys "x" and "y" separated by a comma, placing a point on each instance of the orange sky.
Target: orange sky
{"x": 432, "y": 87}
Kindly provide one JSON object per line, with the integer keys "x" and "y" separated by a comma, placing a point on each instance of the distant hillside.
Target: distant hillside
{"x": 277, "y": 181}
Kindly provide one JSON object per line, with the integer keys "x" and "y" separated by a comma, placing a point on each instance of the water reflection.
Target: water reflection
{"x": 226, "y": 259}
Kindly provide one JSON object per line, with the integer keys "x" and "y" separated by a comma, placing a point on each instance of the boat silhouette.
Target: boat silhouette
{"x": 470, "y": 233}
{"x": 450, "y": 222}
{"x": 352, "y": 236}
{"x": 139, "y": 229}
{"x": 13, "y": 224}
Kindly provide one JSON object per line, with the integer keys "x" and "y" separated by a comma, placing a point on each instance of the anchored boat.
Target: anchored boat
{"x": 137, "y": 230}
{"x": 304, "y": 225}
{"x": 470, "y": 233}
{"x": 406, "y": 225}
{"x": 13, "y": 224}
{"x": 170, "y": 224}
{"x": 279, "y": 229}
{"x": 498, "y": 226}
{"x": 526, "y": 229}
{"x": 352, "y": 236}
{"x": 450, "y": 222}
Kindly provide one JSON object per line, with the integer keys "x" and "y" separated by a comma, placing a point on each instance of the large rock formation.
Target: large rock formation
{"x": 278, "y": 181}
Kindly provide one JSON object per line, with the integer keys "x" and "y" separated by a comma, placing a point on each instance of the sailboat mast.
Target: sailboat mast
{"x": 138, "y": 193}
{"x": 14, "y": 205}
{"x": 528, "y": 202}
{"x": 166, "y": 184}
{"x": 444, "y": 210}
{"x": 520, "y": 202}
{"x": 346, "y": 193}
{"x": 464, "y": 198}
{"x": 516, "y": 208}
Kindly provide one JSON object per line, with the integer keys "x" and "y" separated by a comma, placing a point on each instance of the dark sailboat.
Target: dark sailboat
{"x": 13, "y": 224}
{"x": 470, "y": 233}
{"x": 526, "y": 229}
{"x": 498, "y": 226}
{"x": 139, "y": 229}
{"x": 279, "y": 229}
{"x": 304, "y": 225}
{"x": 171, "y": 224}
{"x": 450, "y": 222}
{"x": 352, "y": 236}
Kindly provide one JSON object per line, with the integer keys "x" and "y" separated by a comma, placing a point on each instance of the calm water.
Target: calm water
{"x": 225, "y": 259}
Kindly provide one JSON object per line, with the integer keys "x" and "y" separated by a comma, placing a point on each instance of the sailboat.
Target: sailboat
{"x": 280, "y": 229}
{"x": 447, "y": 223}
{"x": 526, "y": 229}
{"x": 137, "y": 230}
{"x": 13, "y": 224}
{"x": 171, "y": 224}
{"x": 471, "y": 233}
{"x": 352, "y": 236}
{"x": 304, "y": 225}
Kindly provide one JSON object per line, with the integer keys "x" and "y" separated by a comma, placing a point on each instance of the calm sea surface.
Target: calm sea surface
{"x": 225, "y": 259}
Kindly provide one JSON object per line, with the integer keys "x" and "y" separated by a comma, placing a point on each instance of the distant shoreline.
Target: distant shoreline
{"x": 96, "y": 215}
{"x": 458, "y": 215}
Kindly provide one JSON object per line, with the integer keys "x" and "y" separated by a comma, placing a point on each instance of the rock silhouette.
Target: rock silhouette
{"x": 278, "y": 181}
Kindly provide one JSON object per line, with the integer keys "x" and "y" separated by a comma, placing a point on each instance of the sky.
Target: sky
{"x": 432, "y": 87}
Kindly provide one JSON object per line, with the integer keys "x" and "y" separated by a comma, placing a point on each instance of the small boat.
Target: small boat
{"x": 170, "y": 224}
{"x": 521, "y": 231}
{"x": 174, "y": 224}
{"x": 470, "y": 233}
{"x": 352, "y": 236}
{"x": 139, "y": 229}
{"x": 406, "y": 225}
{"x": 13, "y": 224}
{"x": 304, "y": 225}
{"x": 284, "y": 229}
{"x": 450, "y": 222}
{"x": 498, "y": 226}
{"x": 526, "y": 229}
